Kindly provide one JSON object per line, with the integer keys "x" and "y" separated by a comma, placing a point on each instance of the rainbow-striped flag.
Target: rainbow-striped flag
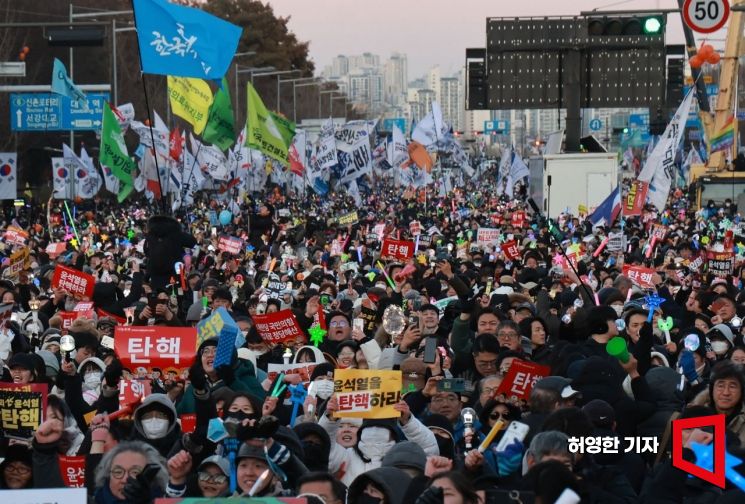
{"x": 724, "y": 139}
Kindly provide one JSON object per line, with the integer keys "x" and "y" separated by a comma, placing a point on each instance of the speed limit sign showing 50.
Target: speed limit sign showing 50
{"x": 705, "y": 16}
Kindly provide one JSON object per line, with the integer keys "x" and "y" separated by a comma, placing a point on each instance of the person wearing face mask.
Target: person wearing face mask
{"x": 374, "y": 438}
{"x": 83, "y": 388}
{"x": 316, "y": 445}
{"x": 155, "y": 423}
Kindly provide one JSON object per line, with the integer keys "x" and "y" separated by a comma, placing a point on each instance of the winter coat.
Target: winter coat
{"x": 165, "y": 443}
{"x": 245, "y": 381}
{"x": 165, "y": 246}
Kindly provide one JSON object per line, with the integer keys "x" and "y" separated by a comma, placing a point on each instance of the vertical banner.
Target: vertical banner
{"x": 634, "y": 201}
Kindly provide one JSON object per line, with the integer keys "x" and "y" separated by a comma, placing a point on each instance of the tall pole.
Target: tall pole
{"x": 114, "y": 85}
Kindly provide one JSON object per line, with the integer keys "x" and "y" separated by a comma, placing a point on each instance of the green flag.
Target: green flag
{"x": 125, "y": 191}
{"x": 267, "y": 132}
{"x": 220, "y": 129}
{"x": 113, "y": 149}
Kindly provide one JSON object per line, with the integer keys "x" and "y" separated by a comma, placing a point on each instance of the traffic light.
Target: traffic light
{"x": 625, "y": 26}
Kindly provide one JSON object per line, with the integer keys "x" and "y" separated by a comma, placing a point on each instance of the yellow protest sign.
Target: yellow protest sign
{"x": 348, "y": 219}
{"x": 367, "y": 393}
{"x": 18, "y": 262}
{"x": 190, "y": 100}
{"x": 582, "y": 210}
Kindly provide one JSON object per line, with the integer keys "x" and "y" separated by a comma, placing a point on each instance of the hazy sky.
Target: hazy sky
{"x": 430, "y": 32}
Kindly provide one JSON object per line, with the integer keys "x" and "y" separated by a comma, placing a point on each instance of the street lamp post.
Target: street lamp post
{"x": 279, "y": 79}
{"x": 310, "y": 81}
{"x": 250, "y": 71}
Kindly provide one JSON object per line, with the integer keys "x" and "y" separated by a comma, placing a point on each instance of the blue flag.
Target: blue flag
{"x": 183, "y": 41}
{"x": 63, "y": 85}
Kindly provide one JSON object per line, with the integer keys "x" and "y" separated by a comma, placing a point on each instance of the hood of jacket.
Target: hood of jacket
{"x": 161, "y": 226}
{"x": 167, "y": 405}
{"x": 663, "y": 384}
{"x": 95, "y": 360}
{"x": 318, "y": 357}
{"x": 392, "y": 481}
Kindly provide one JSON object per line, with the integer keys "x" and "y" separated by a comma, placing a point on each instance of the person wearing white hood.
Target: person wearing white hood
{"x": 374, "y": 439}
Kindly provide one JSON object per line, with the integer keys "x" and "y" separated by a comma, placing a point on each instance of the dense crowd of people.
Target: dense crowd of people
{"x": 484, "y": 306}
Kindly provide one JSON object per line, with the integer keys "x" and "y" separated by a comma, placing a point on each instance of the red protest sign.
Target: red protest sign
{"x": 659, "y": 231}
{"x": 520, "y": 379}
{"x": 634, "y": 202}
{"x": 56, "y": 249}
{"x": 397, "y": 249}
{"x": 132, "y": 391}
{"x": 278, "y": 327}
{"x": 720, "y": 264}
{"x": 519, "y": 219}
{"x": 72, "y": 470}
{"x": 163, "y": 347}
{"x": 188, "y": 422}
{"x": 15, "y": 236}
{"x": 230, "y": 245}
{"x": 83, "y": 306}
{"x": 511, "y": 250}
{"x": 75, "y": 282}
{"x": 639, "y": 275}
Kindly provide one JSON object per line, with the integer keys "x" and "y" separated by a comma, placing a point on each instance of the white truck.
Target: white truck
{"x": 561, "y": 181}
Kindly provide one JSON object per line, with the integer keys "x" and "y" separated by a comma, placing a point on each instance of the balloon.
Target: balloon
{"x": 705, "y": 50}
{"x": 713, "y": 58}
{"x": 225, "y": 217}
{"x": 696, "y": 61}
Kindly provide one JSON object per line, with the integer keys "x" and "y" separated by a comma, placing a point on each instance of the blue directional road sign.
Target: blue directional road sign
{"x": 596, "y": 124}
{"x": 496, "y": 127}
{"x": 53, "y": 112}
{"x": 398, "y": 121}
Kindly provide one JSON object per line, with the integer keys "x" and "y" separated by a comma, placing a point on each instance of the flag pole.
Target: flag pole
{"x": 149, "y": 116}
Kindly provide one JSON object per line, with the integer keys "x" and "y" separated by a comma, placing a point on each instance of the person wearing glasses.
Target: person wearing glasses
{"x": 16, "y": 468}
{"x": 122, "y": 476}
{"x": 211, "y": 479}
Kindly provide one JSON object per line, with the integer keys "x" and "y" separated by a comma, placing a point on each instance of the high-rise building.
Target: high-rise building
{"x": 365, "y": 86}
{"x": 449, "y": 103}
{"x": 340, "y": 66}
{"x": 425, "y": 97}
{"x": 364, "y": 60}
{"x": 433, "y": 81}
{"x": 396, "y": 76}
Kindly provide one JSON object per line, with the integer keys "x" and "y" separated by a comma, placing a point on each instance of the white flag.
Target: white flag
{"x": 8, "y": 175}
{"x": 518, "y": 170}
{"x": 125, "y": 114}
{"x": 87, "y": 187}
{"x": 111, "y": 181}
{"x": 82, "y": 184}
{"x": 61, "y": 178}
{"x": 211, "y": 159}
{"x": 660, "y": 167}
{"x": 397, "y": 151}
{"x": 430, "y": 129}
{"x": 160, "y": 133}
{"x": 326, "y": 153}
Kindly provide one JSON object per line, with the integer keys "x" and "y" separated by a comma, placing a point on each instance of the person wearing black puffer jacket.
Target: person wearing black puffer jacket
{"x": 165, "y": 246}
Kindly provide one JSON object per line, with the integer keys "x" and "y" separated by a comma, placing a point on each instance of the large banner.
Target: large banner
{"x": 278, "y": 327}
{"x": 634, "y": 201}
{"x": 367, "y": 393}
{"x": 163, "y": 347}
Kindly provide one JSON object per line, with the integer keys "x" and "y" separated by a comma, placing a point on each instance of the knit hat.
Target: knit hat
{"x": 219, "y": 461}
{"x": 323, "y": 369}
{"x": 405, "y": 454}
{"x": 437, "y": 421}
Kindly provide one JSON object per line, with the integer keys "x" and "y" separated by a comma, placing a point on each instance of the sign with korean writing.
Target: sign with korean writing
{"x": 518, "y": 219}
{"x": 230, "y": 245}
{"x": 18, "y": 260}
{"x": 367, "y": 393}
{"x": 55, "y": 112}
{"x": 278, "y": 327}
{"x": 22, "y": 409}
{"x": 275, "y": 287}
{"x": 217, "y": 325}
{"x": 487, "y": 237}
{"x": 75, "y": 282}
{"x": 304, "y": 370}
{"x": 348, "y": 219}
{"x": 397, "y": 249}
{"x": 161, "y": 347}
{"x": 15, "y": 236}
{"x": 720, "y": 264}
{"x": 511, "y": 250}
{"x": 634, "y": 201}
{"x": 72, "y": 470}
{"x": 132, "y": 391}
{"x": 415, "y": 228}
{"x": 639, "y": 275}
{"x": 616, "y": 242}
{"x": 68, "y": 317}
{"x": 659, "y": 231}
{"x": 370, "y": 316}
{"x": 520, "y": 379}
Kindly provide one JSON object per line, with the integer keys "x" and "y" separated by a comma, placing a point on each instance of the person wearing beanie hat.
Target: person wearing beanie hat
{"x": 722, "y": 340}
{"x": 51, "y": 363}
{"x": 23, "y": 369}
{"x": 316, "y": 445}
{"x": 407, "y": 456}
{"x": 16, "y": 468}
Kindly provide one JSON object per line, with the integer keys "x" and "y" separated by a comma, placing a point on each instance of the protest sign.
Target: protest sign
{"x": 487, "y": 237}
{"x": 41, "y": 496}
{"x": 230, "y": 245}
{"x": 720, "y": 264}
{"x": 15, "y": 236}
{"x": 219, "y": 325}
{"x": 162, "y": 347}
{"x": 56, "y": 249}
{"x": 415, "y": 228}
{"x": 68, "y": 317}
{"x": 304, "y": 370}
{"x": 72, "y": 470}
{"x": 278, "y": 327}
{"x": 18, "y": 262}
{"x": 518, "y": 219}
{"x": 275, "y": 287}
{"x": 519, "y": 380}
{"x": 132, "y": 391}
{"x": 22, "y": 408}
{"x": 659, "y": 231}
{"x": 75, "y": 282}
{"x": 397, "y": 249}
{"x": 367, "y": 393}
{"x": 370, "y": 316}
{"x": 188, "y": 422}
{"x": 639, "y": 276}
{"x": 348, "y": 219}
{"x": 511, "y": 250}
{"x": 337, "y": 247}
{"x": 616, "y": 242}
{"x": 634, "y": 201}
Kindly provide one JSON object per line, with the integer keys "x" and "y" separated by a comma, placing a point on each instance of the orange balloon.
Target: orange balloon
{"x": 25, "y": 50}
{"x": 705, "y": 50}
{"x": 713, "y": 58}
{"x": 22, "y": 56}
{"x": 696, "y": 61}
